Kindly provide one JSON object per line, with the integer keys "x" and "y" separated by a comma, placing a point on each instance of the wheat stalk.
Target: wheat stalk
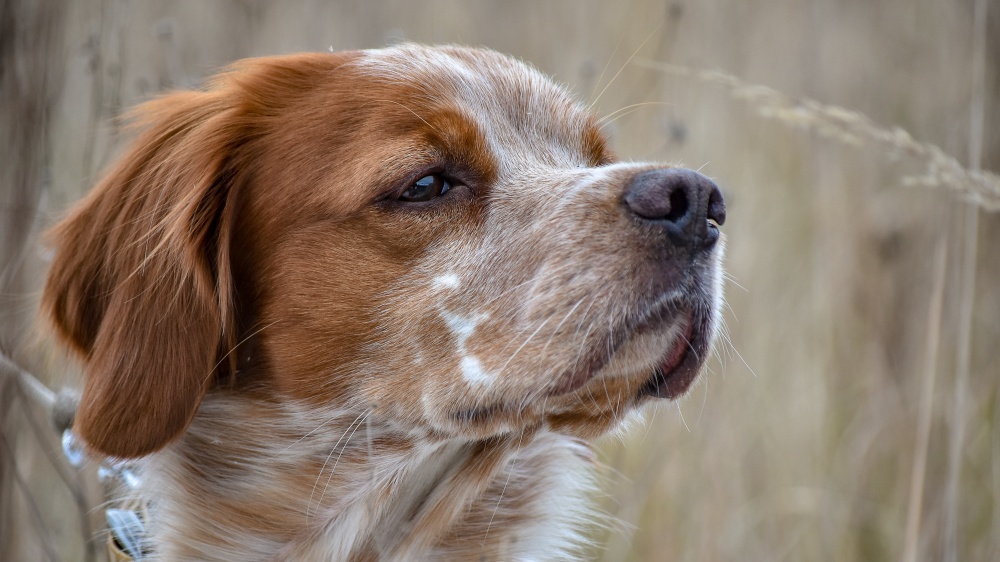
{"x": 854, "y": 128}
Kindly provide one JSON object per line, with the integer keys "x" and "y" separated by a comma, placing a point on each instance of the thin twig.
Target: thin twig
{"x": 31, "y": 386}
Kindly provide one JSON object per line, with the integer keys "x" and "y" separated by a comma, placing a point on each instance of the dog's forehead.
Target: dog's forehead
{"x": 474, "y": 75}
{"x": 514, "y": 104}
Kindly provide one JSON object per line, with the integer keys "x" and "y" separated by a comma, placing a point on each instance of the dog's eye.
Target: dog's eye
{"x": 425, "y": 189}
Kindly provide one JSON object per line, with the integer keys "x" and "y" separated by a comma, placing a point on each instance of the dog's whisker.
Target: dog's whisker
{"x": 730, "y": 345}
{"x": 323, "y": 424}
{"x": 626, "y": 108}
{"x": 704, "y": 394}
{"x": 343, "y": 448}
{"x": 526, "y": 341}
{"x": 625, "y": 65}
{"x": 614, "y": 51}
{"x": 510, "y": 472}
{"x": 733, "y": 281}
{"x": 241, "y": 342}
{"x": 361, "y": 416}
{"x": 680, "y": 412}
{"x": 371, "y": 454}
{"x": 560, "y": 325}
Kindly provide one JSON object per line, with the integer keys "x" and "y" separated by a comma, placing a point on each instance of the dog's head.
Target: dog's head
{"x": 439, "y": 236}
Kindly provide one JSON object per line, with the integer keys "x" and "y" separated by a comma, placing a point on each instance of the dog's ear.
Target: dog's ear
{"x": 141, "y": 284}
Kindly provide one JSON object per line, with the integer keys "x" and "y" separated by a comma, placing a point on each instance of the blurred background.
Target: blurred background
{"x": 853, "y": 411}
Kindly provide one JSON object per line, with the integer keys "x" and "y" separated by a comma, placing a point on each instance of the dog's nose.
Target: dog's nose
{"x": 681, "y": 201}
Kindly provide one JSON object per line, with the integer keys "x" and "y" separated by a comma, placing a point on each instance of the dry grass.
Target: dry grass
{"x": 981, "y": 188}
{"x": 820, "y": 439}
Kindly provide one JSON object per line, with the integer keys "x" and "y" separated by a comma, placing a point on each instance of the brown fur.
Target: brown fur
{"x": 247, "y": 295}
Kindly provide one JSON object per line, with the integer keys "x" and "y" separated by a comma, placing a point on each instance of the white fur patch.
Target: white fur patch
{"x": 473, "y": 371}
{"x": 462, "y": 327}
{"x": 447, "y": 281}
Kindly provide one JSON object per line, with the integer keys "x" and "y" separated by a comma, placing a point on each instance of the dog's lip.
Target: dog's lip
{"x": 681, "y": 346}
{"x": 672, "y": 378}
{"x": 678, "y": 368}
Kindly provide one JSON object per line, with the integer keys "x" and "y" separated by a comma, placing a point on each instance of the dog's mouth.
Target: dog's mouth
{"x": 681, "y": 366}
{"x": 684, "y": 328}
{"x": 676, "y": 370}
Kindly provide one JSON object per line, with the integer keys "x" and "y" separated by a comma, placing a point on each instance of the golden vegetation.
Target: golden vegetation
{"x": 844, "y": 419}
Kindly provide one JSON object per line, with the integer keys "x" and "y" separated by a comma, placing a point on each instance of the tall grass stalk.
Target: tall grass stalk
{"x": 982, "y": 188}
{"x": 911, "y": 539}
{"x": 970, "y": 251}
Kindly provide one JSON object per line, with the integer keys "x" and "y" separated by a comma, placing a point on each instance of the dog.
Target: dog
{"x": 375, "y": 305}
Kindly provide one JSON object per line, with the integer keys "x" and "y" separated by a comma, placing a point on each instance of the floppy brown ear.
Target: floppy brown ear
{"x": 140, "y": 284}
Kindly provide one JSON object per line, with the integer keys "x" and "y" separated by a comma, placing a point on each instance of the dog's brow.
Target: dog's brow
{"x": 460, "y": 139}
{"x": 595, "y": 146}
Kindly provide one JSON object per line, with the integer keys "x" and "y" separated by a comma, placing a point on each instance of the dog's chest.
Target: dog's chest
{"x": 348, "y": 490}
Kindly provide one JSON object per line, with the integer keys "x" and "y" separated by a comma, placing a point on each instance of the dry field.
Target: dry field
{"x": 853, "y": 412}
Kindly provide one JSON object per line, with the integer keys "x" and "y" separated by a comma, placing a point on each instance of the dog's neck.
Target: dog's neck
{"x": 262, "y": 480}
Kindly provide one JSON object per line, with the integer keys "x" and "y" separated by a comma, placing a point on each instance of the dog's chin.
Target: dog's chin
{"x": 665, "y": 353}
{"x": 660, "y": 358}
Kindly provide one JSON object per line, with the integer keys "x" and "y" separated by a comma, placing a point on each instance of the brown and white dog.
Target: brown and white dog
{"x": 372, "y": 305}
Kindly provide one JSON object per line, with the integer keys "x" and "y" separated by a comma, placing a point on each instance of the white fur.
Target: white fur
{"x": 473, "y": 371}
{"x": 448, "y": 281}
{"x": 347, "y": 517}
